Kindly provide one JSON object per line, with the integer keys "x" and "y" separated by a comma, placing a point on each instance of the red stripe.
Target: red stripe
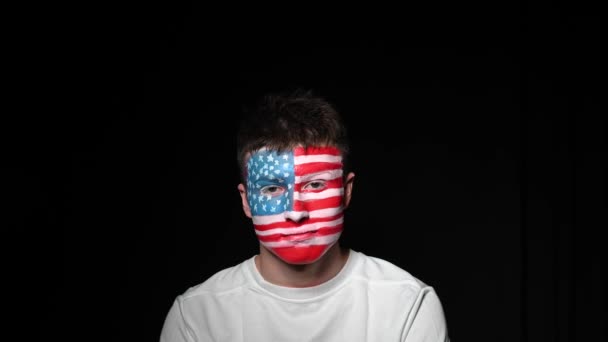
{"x": 303, "y": 169}
{"x": 320, "y": 232}
{"x": 300, "y": 254}
{"x": 291, "y": 224}
{"x": 329, "y": 184}
{"x": 325, "y": 203}
{"x": 299, "y": 151}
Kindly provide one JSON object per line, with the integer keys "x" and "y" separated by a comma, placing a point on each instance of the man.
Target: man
{"x": 302, "y": 286}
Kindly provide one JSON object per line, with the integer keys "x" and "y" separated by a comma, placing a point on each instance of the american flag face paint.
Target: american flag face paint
{"x": 296, "y": 201}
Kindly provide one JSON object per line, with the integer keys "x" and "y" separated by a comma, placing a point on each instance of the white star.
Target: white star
{"x": 255, "y": 207}
{"x": 276, "y": 162}
{"x": 261, "y": 158}
{"x": 255, "y": 197}
{"x": 289, "y": 186}
{"x": 268, "y": 197}
{"x": 278, "y": 202}
{"x": 286, "y": 174}
{"x": 273, "y": 209}
{"x": 264, "y": 207}
{"x": 286, "y": 165}
{"x": 272, "y": 167}
{"x": 285, "y": 157}
{"x": 277, "y": 171}
{"x": 269, "y": 158}
{"x": 260, "y": 199}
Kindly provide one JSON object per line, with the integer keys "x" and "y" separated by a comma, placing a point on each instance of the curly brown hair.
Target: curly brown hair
{"x": 282, "y": 121}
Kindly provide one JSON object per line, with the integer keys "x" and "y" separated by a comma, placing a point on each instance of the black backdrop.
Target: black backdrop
{"x": 477, "y": 141}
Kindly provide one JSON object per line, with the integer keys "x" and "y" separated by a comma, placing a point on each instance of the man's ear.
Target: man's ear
{"x": 243, "y": 192}
{"x": 348, "y": 188}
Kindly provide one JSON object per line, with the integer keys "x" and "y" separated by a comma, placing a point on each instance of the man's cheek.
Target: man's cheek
{"x": 274, "y": 206}
{"x": 330, "y": 203}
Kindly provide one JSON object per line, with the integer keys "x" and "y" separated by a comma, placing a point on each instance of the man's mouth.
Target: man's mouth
{"x": 299, "y": 236}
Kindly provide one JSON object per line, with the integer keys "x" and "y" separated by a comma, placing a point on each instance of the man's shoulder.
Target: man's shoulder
{"x": 225, "y": 281}
{"x": 377, "y": 270}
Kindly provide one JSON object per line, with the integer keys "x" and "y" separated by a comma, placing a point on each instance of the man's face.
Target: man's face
{"x": 296, "y": 201}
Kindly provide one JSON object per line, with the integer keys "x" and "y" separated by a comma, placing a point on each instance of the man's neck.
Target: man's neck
{"x": 278, "y": 272}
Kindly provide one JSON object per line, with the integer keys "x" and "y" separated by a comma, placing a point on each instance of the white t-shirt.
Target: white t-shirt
{"x": 370, "y": 299}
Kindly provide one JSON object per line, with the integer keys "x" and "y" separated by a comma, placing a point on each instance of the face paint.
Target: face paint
{"x": 295, "y": 199}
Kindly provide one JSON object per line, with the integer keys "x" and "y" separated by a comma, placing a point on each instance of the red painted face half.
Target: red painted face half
{"x": 296, "y": 200}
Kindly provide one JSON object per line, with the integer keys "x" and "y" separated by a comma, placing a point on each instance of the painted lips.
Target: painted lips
{"x": 299, "y": 237}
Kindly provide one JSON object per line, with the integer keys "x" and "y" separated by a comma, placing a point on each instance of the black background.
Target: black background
{"x": 477, "y": 138}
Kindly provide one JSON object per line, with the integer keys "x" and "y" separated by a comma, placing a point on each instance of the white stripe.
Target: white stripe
{"x": 307, "y": 196}
{"x": 317, "y": 158}
{"x": 321, "y": 213}
{"x": 318, "y": 240}
{"x": 323, "y": 175}
{"x": 302, "y": 229}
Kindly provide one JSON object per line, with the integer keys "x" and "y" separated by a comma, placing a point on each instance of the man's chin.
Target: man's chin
{"x": 301, "y": 255}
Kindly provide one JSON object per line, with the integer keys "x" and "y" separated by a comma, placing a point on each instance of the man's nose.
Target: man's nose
{"x": 296, "y": 216}
{"x": 298, "y": 211}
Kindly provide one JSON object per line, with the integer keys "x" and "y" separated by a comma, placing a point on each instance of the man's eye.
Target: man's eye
{"x": 272, "y": 190}
{"x": 314, "y": 185}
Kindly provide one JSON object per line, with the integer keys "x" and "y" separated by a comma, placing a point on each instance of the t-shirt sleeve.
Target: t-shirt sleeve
{"x": 426, "y": 322}
{"x": 175, "y": 328}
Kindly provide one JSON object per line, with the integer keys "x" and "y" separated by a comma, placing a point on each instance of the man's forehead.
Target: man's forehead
{"x": 300, "y": 162}
{"x": 270, "y": 155}
{"x": 299, "y": 150}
